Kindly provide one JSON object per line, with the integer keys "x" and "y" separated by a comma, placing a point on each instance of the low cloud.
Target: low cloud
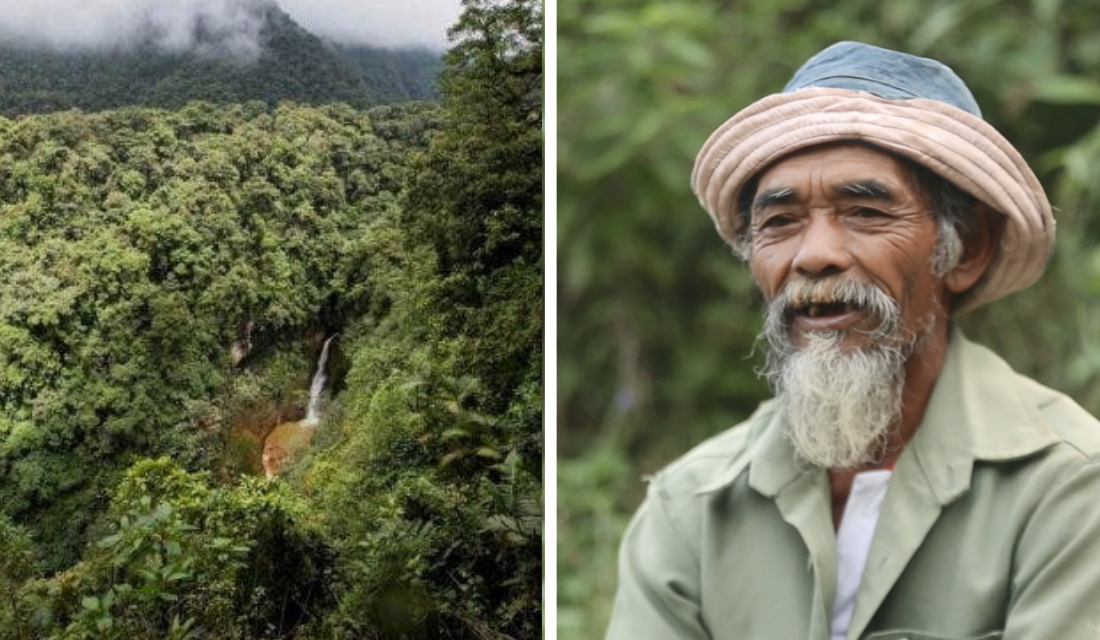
{"x": 219, "y": 26}
{"x": 384, "y": 23}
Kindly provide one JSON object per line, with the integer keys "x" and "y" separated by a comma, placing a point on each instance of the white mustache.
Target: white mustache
{"x": 803, "y": 293}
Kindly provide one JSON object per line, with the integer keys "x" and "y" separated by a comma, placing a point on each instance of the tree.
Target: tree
{"x": 476, "y": 196}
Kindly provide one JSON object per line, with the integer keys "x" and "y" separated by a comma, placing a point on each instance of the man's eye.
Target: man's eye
{"x": 777, "y": 221}
{"x": 867, "y": 212}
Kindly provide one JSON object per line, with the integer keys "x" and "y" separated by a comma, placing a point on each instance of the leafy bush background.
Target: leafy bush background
{"x": 657, "y": 319}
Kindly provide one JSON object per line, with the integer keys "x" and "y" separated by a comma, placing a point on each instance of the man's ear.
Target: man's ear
{"x": 980, "y": 245}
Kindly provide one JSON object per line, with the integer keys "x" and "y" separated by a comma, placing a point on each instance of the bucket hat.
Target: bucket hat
{"x": 913, "y": 106}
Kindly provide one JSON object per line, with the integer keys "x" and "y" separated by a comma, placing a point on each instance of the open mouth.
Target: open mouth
{"x": 825, "y": 309}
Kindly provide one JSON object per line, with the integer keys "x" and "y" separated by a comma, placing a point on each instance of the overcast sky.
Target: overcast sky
{"x": 82, "y": 23}
{"x": 382, "y": 22}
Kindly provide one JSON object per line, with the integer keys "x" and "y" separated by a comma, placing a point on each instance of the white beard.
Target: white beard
{"x": 840, "y": 403}
{"x": 839, "y": 407}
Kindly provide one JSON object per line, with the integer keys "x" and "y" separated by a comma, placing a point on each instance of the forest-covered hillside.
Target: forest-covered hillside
{"x": 394, "y": 74}
{"x": 167, "y": 278}
{"x": 289, "y": 63}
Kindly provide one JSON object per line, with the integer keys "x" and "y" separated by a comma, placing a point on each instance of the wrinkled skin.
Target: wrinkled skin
{"x": 810, "y": 221}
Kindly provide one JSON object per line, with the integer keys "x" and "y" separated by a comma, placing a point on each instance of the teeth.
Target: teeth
{"x": 814, "y": 311}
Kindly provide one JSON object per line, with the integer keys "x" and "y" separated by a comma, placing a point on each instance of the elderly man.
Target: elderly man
{"x": 904, "y": 483}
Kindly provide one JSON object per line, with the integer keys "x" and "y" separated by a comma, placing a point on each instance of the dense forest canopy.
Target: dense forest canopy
{"x": 167, "y": 277}
{"x": 289, "y": 63}
{"x": 134, "y": 243}
{"x": 657, "y": 318}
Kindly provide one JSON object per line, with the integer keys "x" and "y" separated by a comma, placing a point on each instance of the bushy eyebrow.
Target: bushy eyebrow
{"x": 771, "y": 197}
{"x": 866, "y": 189}
{"x": 860, "y": 189}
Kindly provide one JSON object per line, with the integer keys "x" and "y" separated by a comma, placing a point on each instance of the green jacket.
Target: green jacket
{"x": 990, "y": 527}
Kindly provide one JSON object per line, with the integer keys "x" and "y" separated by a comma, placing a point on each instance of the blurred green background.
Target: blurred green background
{"x": 657, "y": 319}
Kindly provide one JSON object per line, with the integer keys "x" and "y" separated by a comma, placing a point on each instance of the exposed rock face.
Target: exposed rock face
{"x": 242, "y": 346}
{"x": 284, "y": 445}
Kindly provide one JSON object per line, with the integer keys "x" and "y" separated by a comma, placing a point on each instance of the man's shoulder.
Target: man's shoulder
{"x": 719, "y": 456}
{"x": 1015, "y": 417}
{"x": 1078, "y": 429}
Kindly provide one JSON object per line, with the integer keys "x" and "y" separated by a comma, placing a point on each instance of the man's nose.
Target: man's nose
{"x": 823, "y": 250}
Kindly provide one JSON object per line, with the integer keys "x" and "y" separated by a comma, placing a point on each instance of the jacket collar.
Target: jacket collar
{"x": 979, "y": 410}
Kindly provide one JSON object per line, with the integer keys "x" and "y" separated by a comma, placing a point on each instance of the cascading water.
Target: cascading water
{"x": 289, "y": 439}
{"x": 313, "y": 411}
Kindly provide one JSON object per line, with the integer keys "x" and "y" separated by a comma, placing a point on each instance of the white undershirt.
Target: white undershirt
{"x": 853, "y": 543}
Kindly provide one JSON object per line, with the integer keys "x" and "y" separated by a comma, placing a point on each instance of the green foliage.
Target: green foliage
{"x": 17, "y": 566}
{"x": 134, "y": 245}
{"x": 595, "y": 490}
{"x": 657, "y": 320}
{"x": 186, "y": 559}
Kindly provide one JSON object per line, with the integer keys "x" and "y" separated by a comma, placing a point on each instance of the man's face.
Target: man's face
{"x": 845, "y": 211}
{"x": 842, "y": 246}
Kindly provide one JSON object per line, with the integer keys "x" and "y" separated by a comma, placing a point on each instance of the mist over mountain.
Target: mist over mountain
{"x": 219, "y": 51}
{"x": 219, "y": 26}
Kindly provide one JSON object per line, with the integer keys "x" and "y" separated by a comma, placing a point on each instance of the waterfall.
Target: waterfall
{"x": 313, "y": 412}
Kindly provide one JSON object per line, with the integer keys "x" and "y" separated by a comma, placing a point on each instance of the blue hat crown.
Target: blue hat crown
{"x": 891, "y": 75}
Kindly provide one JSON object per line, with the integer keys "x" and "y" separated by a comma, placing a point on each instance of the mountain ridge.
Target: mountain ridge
{"x": 262, "y": 55}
